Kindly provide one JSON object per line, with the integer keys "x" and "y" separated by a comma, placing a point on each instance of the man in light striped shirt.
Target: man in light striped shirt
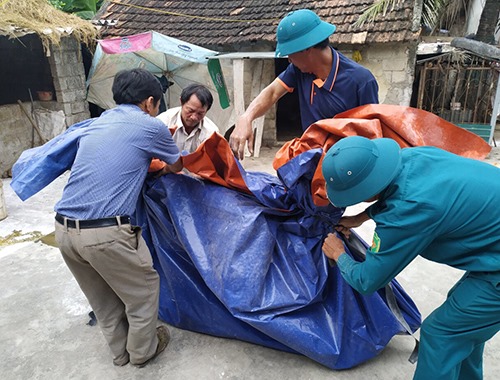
{"x": 105, "y": 252}
{"x": 189, "y": 122}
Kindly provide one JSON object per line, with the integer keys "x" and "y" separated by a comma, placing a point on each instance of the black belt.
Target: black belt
{"x": 93, "y": 223}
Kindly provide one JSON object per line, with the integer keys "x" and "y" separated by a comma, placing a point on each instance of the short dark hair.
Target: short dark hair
{"x": 135, "y": 85}
{"x": 323, "y": 44}
{"x": 201, "y": 92}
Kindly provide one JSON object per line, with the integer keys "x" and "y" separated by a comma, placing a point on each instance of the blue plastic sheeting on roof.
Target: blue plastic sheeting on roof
{"x": 251, "y": 267}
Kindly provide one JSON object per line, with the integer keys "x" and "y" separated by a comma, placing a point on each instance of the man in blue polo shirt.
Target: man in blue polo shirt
{"x": 431, "y": 203}
{"x": 106, "y": 254}
{"x": 327, "y": 82}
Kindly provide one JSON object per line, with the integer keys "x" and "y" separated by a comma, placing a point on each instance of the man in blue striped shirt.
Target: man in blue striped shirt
{"x": 107, "y": 255}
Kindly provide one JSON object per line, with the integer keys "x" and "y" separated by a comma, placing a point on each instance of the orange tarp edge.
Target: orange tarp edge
{"x": 214, "y": 160}
{"x": 406, "y": 125}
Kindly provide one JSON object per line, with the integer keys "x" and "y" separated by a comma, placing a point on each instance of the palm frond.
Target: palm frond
{"x": 434, "y": 12}
{"x": 380, "y": 7}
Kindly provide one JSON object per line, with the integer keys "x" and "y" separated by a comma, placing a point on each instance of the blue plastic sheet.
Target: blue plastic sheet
{"x": 38, "y": 167}
{"x": 246, "y": 266}
{"x": 251, "y": 267}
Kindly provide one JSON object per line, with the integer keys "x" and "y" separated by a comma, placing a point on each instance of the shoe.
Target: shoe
{"x": 163, "y": 339}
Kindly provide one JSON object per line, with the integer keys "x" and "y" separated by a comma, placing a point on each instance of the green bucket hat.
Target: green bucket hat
{"x": 356, "y": 169}
{"x": 300, "y": 30}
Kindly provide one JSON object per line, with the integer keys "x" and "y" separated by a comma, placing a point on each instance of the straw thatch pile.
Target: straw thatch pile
{"x": 19, "y": 17}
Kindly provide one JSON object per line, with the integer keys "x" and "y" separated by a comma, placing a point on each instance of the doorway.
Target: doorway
{"x": 288, "y": 125}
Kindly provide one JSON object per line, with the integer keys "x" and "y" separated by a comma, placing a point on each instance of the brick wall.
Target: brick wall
{"x": 67, "y": 69}
{"x": 17, "y": 133}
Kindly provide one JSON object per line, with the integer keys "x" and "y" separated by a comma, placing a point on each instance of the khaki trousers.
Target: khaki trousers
{"x": 114, "y": 269}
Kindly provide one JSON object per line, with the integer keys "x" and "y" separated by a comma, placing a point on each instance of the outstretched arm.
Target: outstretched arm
{"x": 401, "y": 234}
{"x": 243, "y": 131}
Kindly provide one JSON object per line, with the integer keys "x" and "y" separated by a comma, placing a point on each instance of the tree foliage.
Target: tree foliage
{"x": 437, "y": 14}
{"x": 85, "y": 9}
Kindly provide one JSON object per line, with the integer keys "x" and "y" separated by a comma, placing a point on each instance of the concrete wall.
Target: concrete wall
{"x": 17, "y": 133}
{"x": 393, "y": 65}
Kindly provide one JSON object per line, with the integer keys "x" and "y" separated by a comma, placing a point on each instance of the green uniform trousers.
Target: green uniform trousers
{"x": 452, "y": 337}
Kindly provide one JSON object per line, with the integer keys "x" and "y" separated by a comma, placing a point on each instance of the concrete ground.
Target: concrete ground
{"x": 43, "y": 321}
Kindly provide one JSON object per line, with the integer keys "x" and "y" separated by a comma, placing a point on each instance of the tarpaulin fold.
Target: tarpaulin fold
{"x": 239, "y": 253}
{"x": 406, "y": 125}
{"x": 257, "y": 258}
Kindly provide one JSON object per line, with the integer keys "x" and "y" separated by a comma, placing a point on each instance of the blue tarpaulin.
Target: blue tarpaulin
{"x": 247, "y": 265}
{"x": 251, "y": 267}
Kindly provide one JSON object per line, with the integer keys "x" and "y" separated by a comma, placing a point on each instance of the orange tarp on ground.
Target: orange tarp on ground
{"x": 214, "y": 161}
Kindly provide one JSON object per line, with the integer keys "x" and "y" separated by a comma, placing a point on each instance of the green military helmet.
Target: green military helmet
{"x": 300, "y": 30}
{"x": 356, "y": 169}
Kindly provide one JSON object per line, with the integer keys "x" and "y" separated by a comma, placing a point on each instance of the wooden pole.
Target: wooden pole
{"x": 37, "y": 129}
